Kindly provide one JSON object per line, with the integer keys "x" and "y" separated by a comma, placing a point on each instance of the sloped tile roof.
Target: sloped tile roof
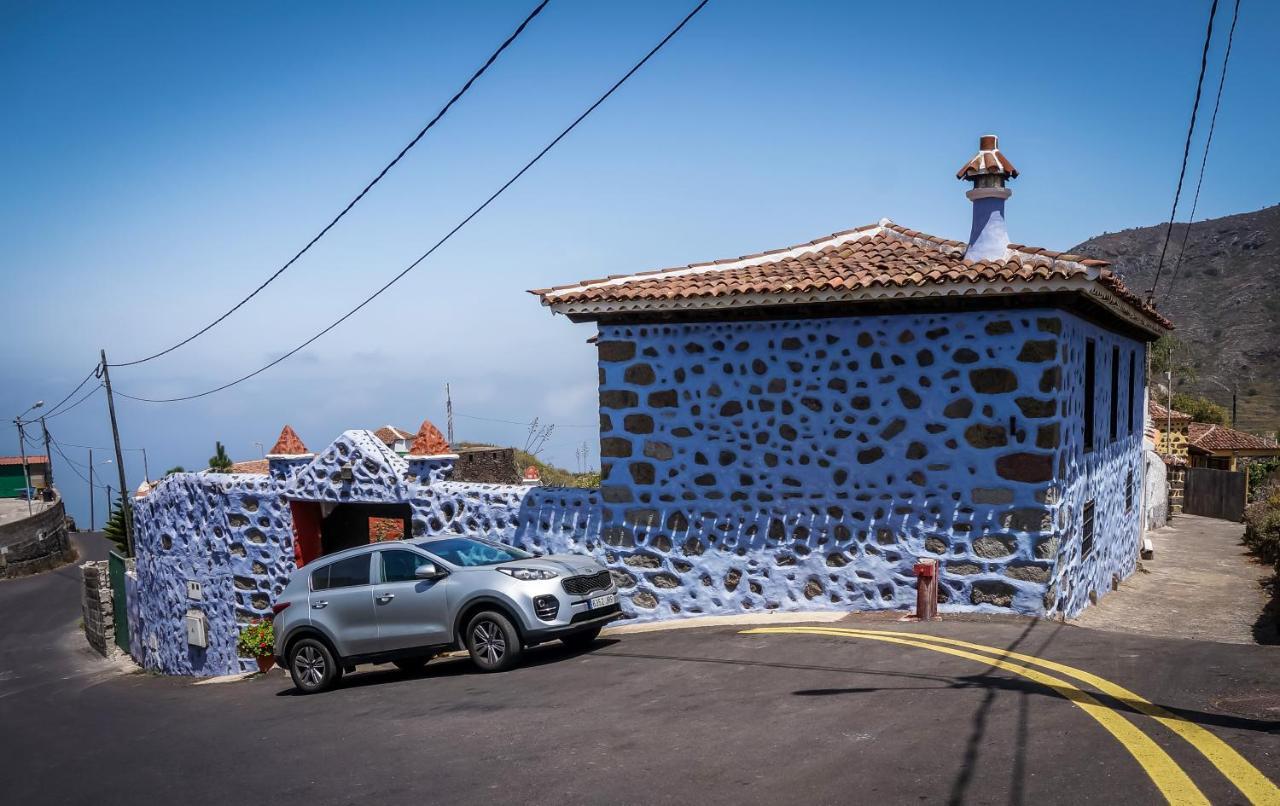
{"x": 17, "y": 460}
{"x": 255, "y": 467}
{"x": 389, "y": 434}
{"x": 878, "y": 256}
{"x": 1213, "y": 438}
{"x": 1160, "y": 416}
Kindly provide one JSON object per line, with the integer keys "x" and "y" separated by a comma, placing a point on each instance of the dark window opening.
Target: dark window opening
{"x": 1086, "y": 531}
{"x": 1090, "y": 355}
{"x": 1128, "y": 493}
{"x": 1115, "y": 393}
{"x": 1133, "y": 404}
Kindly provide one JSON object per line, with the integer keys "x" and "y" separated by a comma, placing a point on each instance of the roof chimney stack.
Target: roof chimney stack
{"x": 988, "y": 171}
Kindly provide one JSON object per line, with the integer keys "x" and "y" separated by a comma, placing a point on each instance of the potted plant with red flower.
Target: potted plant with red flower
{"x": 257, "y": 640}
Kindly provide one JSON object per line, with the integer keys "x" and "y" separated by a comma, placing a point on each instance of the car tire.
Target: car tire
{"x": 581, "y": 640}
{"x": 412, "y": 665}
{"x": 313, "y": 666}
{"x": 493, "y": 642}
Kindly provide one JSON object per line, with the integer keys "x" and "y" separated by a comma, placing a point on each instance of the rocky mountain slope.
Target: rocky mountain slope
{"x": 1224, "y": 300}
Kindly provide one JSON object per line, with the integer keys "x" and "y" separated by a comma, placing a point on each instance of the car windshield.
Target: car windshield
{"x": 467, "y": 552}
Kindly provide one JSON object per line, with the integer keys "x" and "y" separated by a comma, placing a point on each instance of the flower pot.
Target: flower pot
{"x": 265, "y": 663}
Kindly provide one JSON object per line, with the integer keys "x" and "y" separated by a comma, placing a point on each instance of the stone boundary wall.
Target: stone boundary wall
{"x": 1155, "y": 499}
{"x": 486, "y": 466}
{"x": 35, "y": 544}
{"x": 97, "y": 607}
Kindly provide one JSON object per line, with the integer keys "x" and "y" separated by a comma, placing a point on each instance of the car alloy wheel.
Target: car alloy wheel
{"x": 311, "y": 666}
{"x": 489, "y": 642}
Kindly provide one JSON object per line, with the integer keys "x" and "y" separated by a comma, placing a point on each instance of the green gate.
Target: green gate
{"x": 119, "y": 601}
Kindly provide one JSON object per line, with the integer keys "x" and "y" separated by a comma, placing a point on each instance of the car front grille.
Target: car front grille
{"x": 587, "y": 583}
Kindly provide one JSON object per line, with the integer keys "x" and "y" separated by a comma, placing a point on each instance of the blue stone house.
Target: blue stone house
{"x": 789, "y": 430}
{"x": 819, "y": 416}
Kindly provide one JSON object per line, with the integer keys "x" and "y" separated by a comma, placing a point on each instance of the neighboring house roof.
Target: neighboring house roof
{"x": 429, "y": 442}
{"x": 878, "y": 261}
{"x": 289, "y": 444}
{"x": 1161, "y": 416}
{"x": 257, "y": 467}
{"x": 17, "y": 460}
{"x": 1219, "y": 438}
{"x": 389, "y": 434}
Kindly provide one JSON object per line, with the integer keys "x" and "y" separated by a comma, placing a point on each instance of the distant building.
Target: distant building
{"x": 397, "y": 439}
{"x": 12, "y": 479}
{"x": 1224, "y": 448}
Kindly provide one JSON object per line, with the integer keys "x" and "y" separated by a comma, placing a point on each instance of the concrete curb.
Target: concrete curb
{"x": 740, "y": 620}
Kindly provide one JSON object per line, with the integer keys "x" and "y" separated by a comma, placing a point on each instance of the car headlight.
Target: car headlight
{"x": 529, "y": 574}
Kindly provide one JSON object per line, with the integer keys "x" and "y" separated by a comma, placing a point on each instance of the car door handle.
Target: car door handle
{"x": 386, "y": 597}
{"x": 319, "y": 605}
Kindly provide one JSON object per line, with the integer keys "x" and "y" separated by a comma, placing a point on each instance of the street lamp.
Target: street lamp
{"x": 91, "y": 486}
{"x": 22, "y": 446}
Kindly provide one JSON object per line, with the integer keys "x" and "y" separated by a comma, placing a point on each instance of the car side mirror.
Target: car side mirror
{"x": 429, "y": 571}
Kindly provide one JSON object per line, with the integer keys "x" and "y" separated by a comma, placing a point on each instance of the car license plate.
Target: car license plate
{"x": 602, "y": 601}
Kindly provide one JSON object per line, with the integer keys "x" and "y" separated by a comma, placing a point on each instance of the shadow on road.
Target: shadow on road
{"x": 454, "y": 667}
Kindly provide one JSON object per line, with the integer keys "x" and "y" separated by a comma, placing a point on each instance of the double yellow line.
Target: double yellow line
{"x": 1172, "y": 781}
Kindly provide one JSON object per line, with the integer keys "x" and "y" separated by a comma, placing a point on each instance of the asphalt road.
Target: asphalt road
{"x": 700, "y": 715}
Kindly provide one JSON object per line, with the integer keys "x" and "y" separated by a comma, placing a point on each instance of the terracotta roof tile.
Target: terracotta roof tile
{"x": 429, "y": 442}
{"x": 254, "y": 467}
{"x": 883, "y": 256}
{"x": 17, "y": 460}
{"x": 1209, "y": 437}
{"x": 388, "y": 434}
{"x": 1160, "y": 415}
{"x": 289, "y": 444}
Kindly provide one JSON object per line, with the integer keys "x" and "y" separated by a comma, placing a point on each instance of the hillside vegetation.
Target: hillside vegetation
{"x": 1224, "y": 301}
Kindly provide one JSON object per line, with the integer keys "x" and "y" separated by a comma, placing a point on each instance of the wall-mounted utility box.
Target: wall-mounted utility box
{"x": 197, "y": 629}
{"x": 194, "y": 591}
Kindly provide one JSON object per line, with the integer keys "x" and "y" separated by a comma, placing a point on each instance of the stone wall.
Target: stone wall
{"x": 806, "y": 463}
{"x": 36, "y": 543}
{"x": 97, "y": 607}
{"x": 1110, "y": 475}
{"x": 486, "y": 466}
{"x": 1155, "y": 493}
{"x": 229, "y": 533}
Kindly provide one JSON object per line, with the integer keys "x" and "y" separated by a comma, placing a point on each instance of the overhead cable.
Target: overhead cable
{"x": 443, "y": 240}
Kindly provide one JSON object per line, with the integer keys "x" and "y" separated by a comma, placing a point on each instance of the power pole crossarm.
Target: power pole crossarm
{"x": 115, "y": 435}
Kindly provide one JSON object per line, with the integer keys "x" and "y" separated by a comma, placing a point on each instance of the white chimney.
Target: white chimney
{"x": 988, "y": 171}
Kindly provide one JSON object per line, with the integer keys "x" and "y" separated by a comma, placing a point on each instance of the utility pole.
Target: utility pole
{"x": 48, "y": 456}
{"x": 1168, "y": 415}
{"x": 26, "y": 476}
{"x": 448, "y": 407}
{"x": 91, "y": 513}
{"x": 146, "y": 469}
{"x": 115, "y": 435}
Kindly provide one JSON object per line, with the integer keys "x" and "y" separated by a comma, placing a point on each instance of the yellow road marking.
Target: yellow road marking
{"x": 1251, "y": 782}
{"x": 1169, "y": 778}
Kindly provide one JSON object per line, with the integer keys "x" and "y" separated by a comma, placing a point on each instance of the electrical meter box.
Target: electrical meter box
{"x": 197, "y": 629}
{"x": 194, "y": 590}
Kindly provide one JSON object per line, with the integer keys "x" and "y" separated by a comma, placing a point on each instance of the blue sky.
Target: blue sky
{"x": 160, "y": 160}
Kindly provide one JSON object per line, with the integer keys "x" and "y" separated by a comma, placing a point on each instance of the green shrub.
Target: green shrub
{"x": 1262, "y": 528}
{"x": 257, "y": 639}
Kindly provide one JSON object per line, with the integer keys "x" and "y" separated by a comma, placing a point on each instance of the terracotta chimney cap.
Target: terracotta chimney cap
{"x": 289, "y": 444}
{"x": 429, "y": 442}
{"x": 988, "y": 161}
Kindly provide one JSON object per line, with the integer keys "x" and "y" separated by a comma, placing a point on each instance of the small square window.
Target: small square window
{"x": 1128, "y": 492}
{"x": 1086, "y": 531}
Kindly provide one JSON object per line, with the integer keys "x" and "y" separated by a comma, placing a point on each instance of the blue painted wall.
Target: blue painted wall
{"x": 780, "y": 465}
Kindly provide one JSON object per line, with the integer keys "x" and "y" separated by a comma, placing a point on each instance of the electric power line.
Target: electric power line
{"x": 443, "y": 110}
{"x": 72, "y": 464}
{"x": 54, "y": 408}
{"x": 522, "y": 423}
{"x": 1186, "y": 149}
{"x": 85, "y": 397}
{"x": 447, "y": 236}
{"x": 1204, "y": 158}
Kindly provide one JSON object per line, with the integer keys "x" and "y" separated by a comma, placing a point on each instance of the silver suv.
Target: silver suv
{"x": 405, "y": 602}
